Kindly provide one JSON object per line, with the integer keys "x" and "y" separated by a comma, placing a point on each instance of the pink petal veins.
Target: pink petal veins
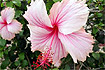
{"x": 1, "y": 26}
{"x": 1, "y": 23}
{"x": 58, "y": 51}
{"x": 69, "y": 15}
{"x": 62, "y": 35}
{"x": 78, "y": 44}
{"x": 8, "y": 26}
{"x": 1, "y": 20}
{"x": 5, "y": 34}
{"x": 36, "y": 14}
{"x": 41, "y": 39}
{"x": 7, "y": 14}
{"x": 14, "y": 26}
{"x": 38, "y": 37}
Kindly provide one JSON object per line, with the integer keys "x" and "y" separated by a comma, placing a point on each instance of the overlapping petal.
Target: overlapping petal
{"x": 61, "y": 32}
{"x": 58, "y": 51}
{"x": 1, "y": 23}
{"x": 8, "y": 26}
{"x": 1, "y": 26}
{"x": 14, "y": 26}
{"x": 1, "y": 20}
{"x": 7, "y": 14}
{"x": 5, "y": 34}
{"x": 41, "y": 39}
{"x": 78, "y": 44}
{"x": 36, "y": 14}
{"x": 69, "y": 15}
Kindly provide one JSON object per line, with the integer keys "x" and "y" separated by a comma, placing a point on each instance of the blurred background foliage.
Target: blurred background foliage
{"x": 16, "y": 54}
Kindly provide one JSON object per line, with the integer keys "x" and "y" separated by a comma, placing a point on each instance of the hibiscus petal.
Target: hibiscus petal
{"x": 69, "y": 15}
{"x": 7, "y": 14}
{"x": 38, "y": 37}
{"x": 78, "y": 44}
{"x": 41, "y": 40}
{"x": 36, "y": 14}
{"x": 58, "y": 51}
{"x": 1, "y": 20}
{"x": 5, "y": 34}
{"x": 1, "y": 23}
{"x": 14, "y": 26}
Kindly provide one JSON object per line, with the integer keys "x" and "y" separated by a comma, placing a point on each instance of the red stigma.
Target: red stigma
{"x": 44, "y": 59}
{"x": 39, "y": 62}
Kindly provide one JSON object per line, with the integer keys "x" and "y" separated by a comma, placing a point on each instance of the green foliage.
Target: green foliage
{"x": 5, "y": 63}
{"x": 17, "y": 63}
{"x": 24, "y": 63}
{"x": 67, "y": 67}
{"x": 18, "y": 13}
{"x": 96, "y": 55}
{"x": 21, "y": 56}
{"x": 9, "y": 4}
{"x": 18, "y": 54}
{"x": 17, "y": 3}
{"x": 48, "y": 5}
{"x": 57, "y": 0}
{"x": 2, "y": 42}
{"x": 1, "y": 54}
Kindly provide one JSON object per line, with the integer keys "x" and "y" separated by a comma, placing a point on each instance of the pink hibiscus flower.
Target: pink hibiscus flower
{"x": 8, "y": 26}
{"x": 61, "y": 32}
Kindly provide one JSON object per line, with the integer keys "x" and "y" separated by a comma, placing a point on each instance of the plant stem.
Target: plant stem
{"x": 28, "y": 62}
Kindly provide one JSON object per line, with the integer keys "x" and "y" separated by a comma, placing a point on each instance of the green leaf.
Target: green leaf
{"x": 1, "y": 54}
{"x": 100, "y": 7}
{"x": 5, "y": 63}
{"x": 29, "y": 1}
{"x": 21, "y": 33}
{"x": 57, "y": 0}
{"x": 96, "y": 55}
{"x": 9, "y": 4}
{"x": 18, "y": 13}
{"x": 99, "y": 14}
{"x": 101, "y": 24}
{"x": 2, "y": 4}
{"x": 95, "y": 30}
{"x": 17, "y": 63}
{"x": 67, "y": 67}
{"x": 90, "y": 60}
{"x": 2, "y": 42}
{"x": 1, "y": 48}
{"x": 21, "y": 56}
{"x": 6, "y": 52}
{"x": 17, "y": 3}
{"x": 24, "y": 63}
